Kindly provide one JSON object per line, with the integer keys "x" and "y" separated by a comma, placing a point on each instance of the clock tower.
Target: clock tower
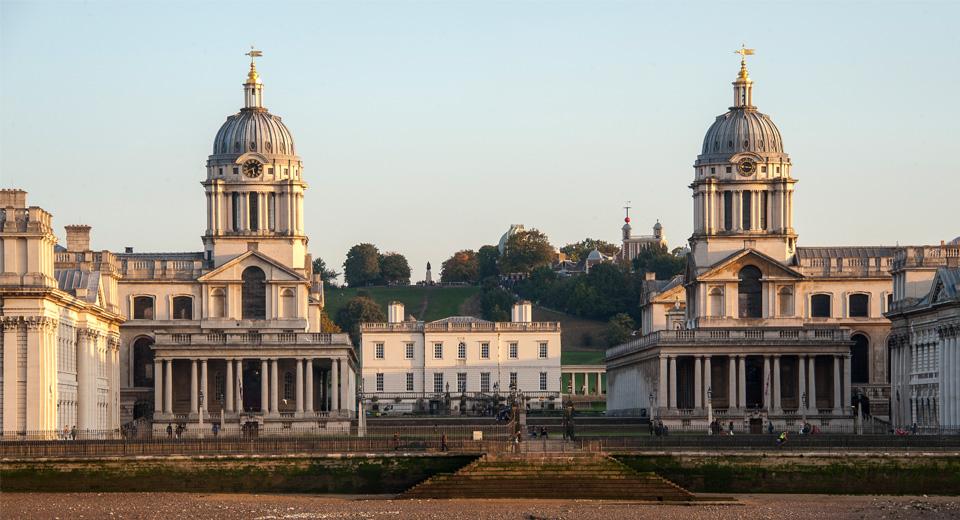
{"x": 742, "y": 187}
{"x": 254, "y": 185}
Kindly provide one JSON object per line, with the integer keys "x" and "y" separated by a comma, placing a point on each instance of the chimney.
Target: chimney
{"x": 78, "y": 238}
{"x": 395, "y": 312}
{"x": 13, "y": 198}
{"x": 522, "y": 312}
{"x": 649, "y": 276}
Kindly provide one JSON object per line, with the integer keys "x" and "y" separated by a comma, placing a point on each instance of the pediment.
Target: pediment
{"x": 729, "y": 268}
{"x": 232, "y": 271}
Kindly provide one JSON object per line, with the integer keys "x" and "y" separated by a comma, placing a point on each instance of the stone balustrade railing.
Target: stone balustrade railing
{"x": 718, "y": 336}
{"x": 252, "y": 338}
{"x": 448, "y": 326}
{"x": 925, "y": 256}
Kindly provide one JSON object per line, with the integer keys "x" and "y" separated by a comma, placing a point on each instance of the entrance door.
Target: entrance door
{"x": 756, "y": 425}
{"x": 754, "y": 379}
{"x": 251, "y": 387}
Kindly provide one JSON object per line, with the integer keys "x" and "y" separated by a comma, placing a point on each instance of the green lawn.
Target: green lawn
{"x": 440, "y": 302}
{"x": 581, "y": 357}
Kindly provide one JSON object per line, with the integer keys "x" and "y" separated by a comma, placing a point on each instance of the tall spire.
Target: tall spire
{"x": 743, "y": 86}
{"x": 253, "y": 88}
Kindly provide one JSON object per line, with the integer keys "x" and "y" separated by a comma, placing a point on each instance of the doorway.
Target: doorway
{"x": 251, "y": 386}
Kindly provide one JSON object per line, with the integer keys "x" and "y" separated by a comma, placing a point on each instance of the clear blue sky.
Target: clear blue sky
{"x": 428, "y": 127}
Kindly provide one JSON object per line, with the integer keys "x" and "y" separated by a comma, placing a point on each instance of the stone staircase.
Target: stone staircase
{"x": 561, "y": 476}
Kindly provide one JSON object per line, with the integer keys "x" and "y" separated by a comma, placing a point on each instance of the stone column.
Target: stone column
{"x": 731, "y": 382}
{"x": 812, "y": 383}
{"x": 228, "y": 383}
{"x": 334, "y": 386}
{"x": 742, "y": 383}
{"x": 707, "y": 376}
{"x": 239, "y": 385}
{"x": 776, "y": 385}
{"x": 157, "y": 386}
{"x": 264, "y": 387}
{"x": 203, "y": 386}
{"x": 697, "y": 383}
{"x": 309, "y": 400}
{"x": 274, "y": 386}
{"x": 662, "y": 383}
{"x": 837, "y": 392}
{"x": 673, "y": 382}
{"x": 801, "y": 382}
{"x": 767, "y": 383}
{"x": 346, "y": 400}
{"x": 168, "y": 387}
{"x": 194, "y": 402}
{"x": 847, "y": 396}
{"x": 299, "y": 388}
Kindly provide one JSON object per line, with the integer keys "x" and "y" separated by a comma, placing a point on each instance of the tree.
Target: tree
{"x": 656, "y": 259}
{"x": 327, "y": 325}
{"x": 487, "y": 258}
{"x": 394, "y": 269}
{"x": 619, "y": 329}
{"x": 461, "y": 267}
{"x": 579, "y": 250}
{"x": 362, "y": 266}
{"x": 536, "y": 286}
{"x": 358, "y": 310}
{"x": 525, "y": 251}
{"x": 495, "y": 302}
{"x": 327, "y": 275}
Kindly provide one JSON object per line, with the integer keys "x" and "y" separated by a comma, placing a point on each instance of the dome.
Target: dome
{"x": 741, "y": 130}
{"x": 253, "y": 130}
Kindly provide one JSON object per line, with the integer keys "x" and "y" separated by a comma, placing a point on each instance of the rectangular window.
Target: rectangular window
{"x": 859, "y": 306}
{"x": 729, "y": 169}
{"x": 378, "y": 350}
{"x": 379, "y": 382}
{"x": 236, "y": 170}
{"x": 543, "y": 381}
{"x": 409, "y": 381}
{"x": 513, "y": 380}
{"x": 253, "y": 211}
{"x": 485, "y": 381}
{"x": 484, "y": 351}
{"x": 462, "y": 351}
{"x": 438, "y": 382}
{"x": 763, "y": 210}
{"x": 746, "y": 209}
{"x": 461, "y": 382}
{"x": 408, "y": 351}
{"x": 513, "y": 351}
{"x": 727, "y": 210}
{"x": 272, "y": 212}
{"x": 543, "y": 350}
{"x": 438, "y": 351}
{"x": 713, "y": 170}
{"x": 220, "y": 171}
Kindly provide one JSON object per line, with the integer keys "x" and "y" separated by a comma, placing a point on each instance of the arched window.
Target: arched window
{"x": 785, "y": 301}
{"x": 143, "y": 307}
{"x": 218, "y": 303}
{"x": 860, "y": 359}
{"x": 288, "y": 303}
{"x": 820, "y": 306}
{"x": 750, "y": 292}
{"x": 143, "y": 362}
{"x": 716, "y": 302}
{"x": 254, "y": 294}
{"x": 288, "y": 386}
{"x": 182, "y": 308}
{"x": 859, "y": 305}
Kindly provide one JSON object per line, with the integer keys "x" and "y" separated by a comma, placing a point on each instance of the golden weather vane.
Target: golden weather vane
{"x": 254, "y": 53}
{"x": 743, "y": 51}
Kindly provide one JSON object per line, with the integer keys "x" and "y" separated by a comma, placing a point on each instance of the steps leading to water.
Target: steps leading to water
{"x": 578, "y": 476}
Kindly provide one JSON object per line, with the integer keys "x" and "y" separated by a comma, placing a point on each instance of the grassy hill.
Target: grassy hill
{"x": 582, "y": 339}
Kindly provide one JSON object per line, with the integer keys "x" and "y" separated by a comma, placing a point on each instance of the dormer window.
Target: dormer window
{"x": 729, "y": 169}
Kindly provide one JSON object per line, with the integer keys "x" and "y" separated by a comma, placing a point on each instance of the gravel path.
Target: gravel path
{"x": 168, "y": 506}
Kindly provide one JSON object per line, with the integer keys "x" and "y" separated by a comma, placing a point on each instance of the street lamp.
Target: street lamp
{"x": 653, "y": 407}
{"x": 803, "y": 410}
{"x": 710, "y": 406}
{"x": 200, "y": 411}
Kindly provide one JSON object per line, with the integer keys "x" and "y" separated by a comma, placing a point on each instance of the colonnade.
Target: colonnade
{"x": 765, "y": 209}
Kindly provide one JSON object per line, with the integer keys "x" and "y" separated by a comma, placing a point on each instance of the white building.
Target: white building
{"x": 59, "y": 351}
{"x": 925, "y": 337}
{"x": 426, "y": 363}
{"x": 633, "y": 244}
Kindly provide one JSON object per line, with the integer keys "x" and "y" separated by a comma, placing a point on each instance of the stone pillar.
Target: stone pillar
{"x": 837, "y": 384}
{"x": 334, "y": 386}
{"x": 707, "y": 376}
{"x": 158, "y": 386}
{"x": 309, "y": 401}
{"x": 731, "y": 382}
{"x": 742, "y": 382}
{"x": 673, "y": 382}
{"x": 239, "y": 385}
{"x": 228, "y": 383}
{"x": 274, "y": 386}
{"x": 347, "y": 401}
{"x": 697, "y": 383}
{"x": 777, "y": 408}
{"x": 767, "y": 384}
{"x": 264, "y": 387}
{"x": 812, "y": 383}
{"x": 847, "y": 396}
{"x": 194, "y": 402}
{"x": 801, "y": 382}
{"x": 299, "y": 388}
{"x": 662, "y": 383}
{"x": 168, "y": 387}
{"x": 205, "y": 391}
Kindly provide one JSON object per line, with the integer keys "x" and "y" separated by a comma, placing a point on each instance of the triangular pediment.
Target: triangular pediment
{"x": 729, "y": 267}
{"x": 232, "y": 270}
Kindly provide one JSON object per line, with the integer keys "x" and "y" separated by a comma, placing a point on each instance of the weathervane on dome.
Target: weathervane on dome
{"x": 253, "y": 77}
{"x": 743, "y": 51}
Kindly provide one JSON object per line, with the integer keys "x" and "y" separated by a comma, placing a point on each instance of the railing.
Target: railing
{"x": 251, "y": 338}
{"x": 469, "y": 326}
{"x": 920, "y": 256}
{"x": 177, "y": 266}
{"x": 709, "y": 336}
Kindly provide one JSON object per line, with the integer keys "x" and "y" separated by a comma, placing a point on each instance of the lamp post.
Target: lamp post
{"x": 653, "y": 405}
{"x": 803, "y": 407}
{"x": 200, "y": 412}
{"x": 710, "y": 406}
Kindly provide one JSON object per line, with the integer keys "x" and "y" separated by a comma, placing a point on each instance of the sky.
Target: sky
{"x": 430, "y": 127}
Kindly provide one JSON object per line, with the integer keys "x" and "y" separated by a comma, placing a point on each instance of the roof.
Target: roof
{"x": 946, "y": 286}
{"x": 845, "y": 252}
{"x": 69, "y": 280}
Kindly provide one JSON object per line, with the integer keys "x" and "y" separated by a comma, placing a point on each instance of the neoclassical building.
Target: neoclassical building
{"x": 60, "y": 317}
{"x": 757, "y": 328}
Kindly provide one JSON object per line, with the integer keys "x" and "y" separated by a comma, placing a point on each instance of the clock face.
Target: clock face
{"x": 746, "y": 167}
{"x": 252, "y": 168}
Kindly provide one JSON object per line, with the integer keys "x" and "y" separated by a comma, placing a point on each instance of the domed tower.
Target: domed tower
{"x": 254, "y": 185}
{"x": 742, "y": 188}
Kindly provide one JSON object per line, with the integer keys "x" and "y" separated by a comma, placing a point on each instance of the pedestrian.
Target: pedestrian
{"x": 770, "y": 427}
{"x": 66, "y": 433}
{"x": 73, "y": 432}
{"x": 543, "y": 432}
{"x": 443, "y": 441}
{"x": 216, "y": 429}
{"x": 396, "y": 441}
{"x": 516, "y": 442}
{"x": 169, "y": 431}
{"x": 782, "y": 438}
{"x": 731, "y": 427}
{"x": 650, "y": 425}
